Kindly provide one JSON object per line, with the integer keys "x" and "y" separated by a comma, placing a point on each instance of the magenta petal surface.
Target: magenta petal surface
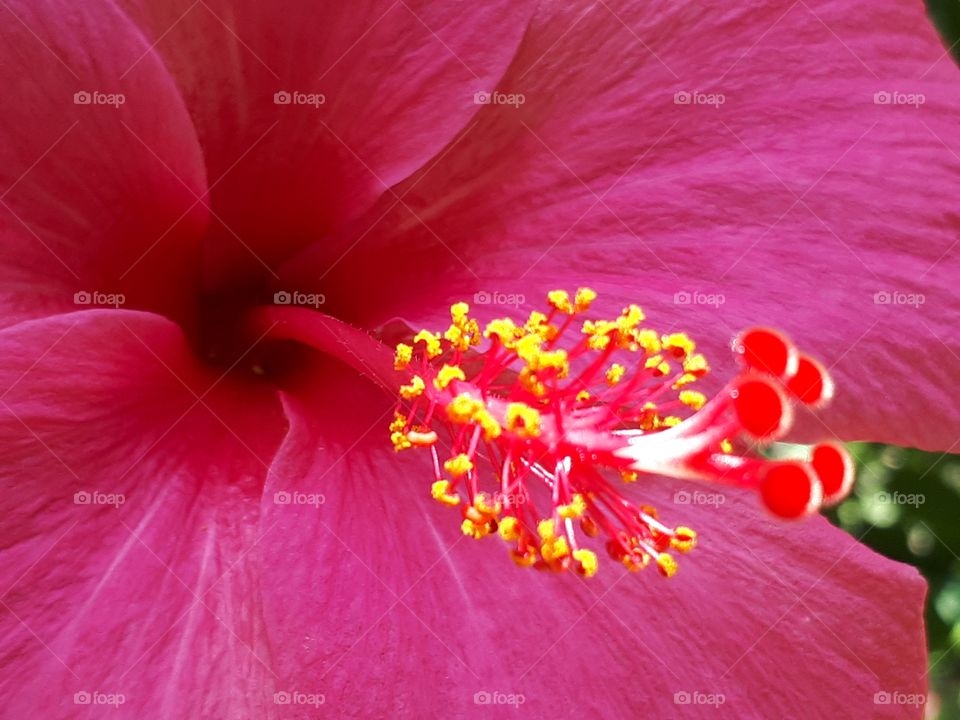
{"x": 799, "y": 173}
{"x": 130, "y": 519}
{"x": 100, "y": 171}
{"x": 307, "y": 113}
{"x": 375, "y": 600}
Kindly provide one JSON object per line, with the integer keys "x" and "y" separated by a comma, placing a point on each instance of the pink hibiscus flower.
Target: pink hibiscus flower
{"x": 202, "y": 520}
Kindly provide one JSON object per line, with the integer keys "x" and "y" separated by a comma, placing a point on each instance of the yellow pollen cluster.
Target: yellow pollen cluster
{"x": 431, "y": 343}
{"x": 446, "y": 375}
{"x": 523, "y": 420}
{"x": 464, "y": 409}
{"x": 615, "y": 374}
{"x": 402, "y": 357}
{"x": 464, "y": 332}
{"x": 693, "y": 399}
{"x": 576, "y": 508}
{"x": 458, "y": 465}
{"x": 397, "y": 436}
{"x": 413, "y": 389}
{"x": 440, "y": 491}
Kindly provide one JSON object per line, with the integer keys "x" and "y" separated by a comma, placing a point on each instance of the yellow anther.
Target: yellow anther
{"x": 537, "y": 324}
{"x": 503, "y": 329}
{"x": 696, "y": 365}
{"x": 413, "y": 389}
{"x": 678, "y": 344}
{"x": 399, "y": 422}
{"x": 629, "y": 476}
{"x": 528, "y": 379}
{"x": 475, "y": 530}
{"x": 491, "y": 428}
{"x": 667, "y": 565}
{"x": 402, "y": 357}
{"x": 649, "y": 341}
{"x": 486, "y": 505}
{"x": 587, "y": 560}
{"x": 509, "y": 529}
{"x": 631, "y": 316}
{"x": 458, "y": 465}
{"x": 684, "y": 539}
{"x": 576, "y": 508}
{"x": 400, "y": 441}
{"x": 458, "y": 312}
{"x": 615, "y": 374}
{"x": 583, "y": 396}
{"x": 528, "y": 347}
{"x": 523, "y": 420}
{"x": 726, "y": 446}
{"x": 684, "y": 380}
{"x": 555, "y": 549}
{"x": 583, "y": 299}
{"x": 670, "y": 421}
{"x": 446, "y": 375}
{"x": 598, "y": 332}
{"x": 431, "y": 342}
{"x": 440, "y": 491}
{"x": 463, "y": 408}
{"x": 560, "y": 300}
{"x": 693, "y": 399}
{"x": 464, "y": 331}
{"x": 546, "y": 530}
{"x": 552, "y": 360}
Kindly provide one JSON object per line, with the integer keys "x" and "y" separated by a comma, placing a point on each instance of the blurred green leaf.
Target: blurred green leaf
{"x": 946, "y": 16}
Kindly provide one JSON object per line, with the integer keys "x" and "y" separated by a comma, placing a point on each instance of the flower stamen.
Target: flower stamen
{"x": 544, "y": 423}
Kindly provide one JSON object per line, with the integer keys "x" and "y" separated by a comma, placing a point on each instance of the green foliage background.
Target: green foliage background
{"x": 905, "y": 506}
{"x": 924, "y": 534}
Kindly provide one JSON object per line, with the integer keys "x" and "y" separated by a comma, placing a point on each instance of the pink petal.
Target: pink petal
{"x": 376, "y": 601}
{"x": 153, "y": 598}
{"x": 797, "y": 200}
{"x": 397, "y": 79}
{"x": 96, "y": 197}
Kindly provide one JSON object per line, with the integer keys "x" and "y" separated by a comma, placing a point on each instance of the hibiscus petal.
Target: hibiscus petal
{"x": 100, "y": 171}
{"x": 373, "y": 89}
{"x": 376, "y": 602}
{"x": 815, "y": 198}
{"x": 132, "y": 480}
